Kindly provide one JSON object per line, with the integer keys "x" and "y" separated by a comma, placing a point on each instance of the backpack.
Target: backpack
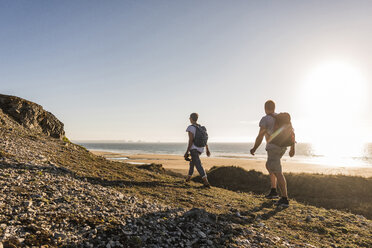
{"x": 201, "y": 136}
{"x": 283, "y": 134}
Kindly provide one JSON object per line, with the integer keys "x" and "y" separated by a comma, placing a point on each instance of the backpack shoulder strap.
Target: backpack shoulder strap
{"x": 197, "y": 126}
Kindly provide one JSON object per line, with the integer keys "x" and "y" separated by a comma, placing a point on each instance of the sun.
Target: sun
{"x": 333, "y": 98}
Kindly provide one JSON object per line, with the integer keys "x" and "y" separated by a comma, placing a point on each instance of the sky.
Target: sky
{"x": 135, "y": 70}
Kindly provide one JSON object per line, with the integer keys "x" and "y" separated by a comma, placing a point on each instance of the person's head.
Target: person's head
{"x": 194, "y": 117}
{"x": 269, "y": 107}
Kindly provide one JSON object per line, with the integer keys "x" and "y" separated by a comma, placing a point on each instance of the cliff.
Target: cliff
{"x": 30, "y": 116}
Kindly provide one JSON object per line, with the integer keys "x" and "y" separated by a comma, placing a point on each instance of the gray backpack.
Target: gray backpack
{"x": 201, "y": 136}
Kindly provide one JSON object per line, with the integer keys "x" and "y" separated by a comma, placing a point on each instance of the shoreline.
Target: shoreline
{"x": 176, "y": 163}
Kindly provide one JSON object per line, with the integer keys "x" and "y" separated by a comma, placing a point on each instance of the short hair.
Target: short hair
{"x": 194, "y": 116}
{"x": 270, "y": 105}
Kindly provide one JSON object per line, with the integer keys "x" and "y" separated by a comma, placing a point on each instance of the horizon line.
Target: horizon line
{"x": 173, "y": 142}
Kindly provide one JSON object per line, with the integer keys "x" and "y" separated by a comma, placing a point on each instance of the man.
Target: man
{"x": 195, "y": 151}
{"x": 274, "y": 154}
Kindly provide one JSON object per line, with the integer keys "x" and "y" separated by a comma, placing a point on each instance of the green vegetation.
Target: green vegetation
{"x": 346, "y": 193}
{"x": 66, "y": 140}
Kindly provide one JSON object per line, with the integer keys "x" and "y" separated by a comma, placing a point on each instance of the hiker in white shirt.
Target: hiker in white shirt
{"x": 195, "y": 151}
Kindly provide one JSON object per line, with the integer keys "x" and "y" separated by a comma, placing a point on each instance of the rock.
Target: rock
{"x": 59, "y": 236}
{"x": 202, "y": 235}
{"x": 308, "y": 218}
{"x": 276, "y": 239}
{"x": 31, "y": 116}
{"x": 27, "y": 204}
{"x": 121, "y": 196}
{"x": 196, "y": 213}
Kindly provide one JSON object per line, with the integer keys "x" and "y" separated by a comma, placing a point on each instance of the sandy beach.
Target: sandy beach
{"x": 178, "y": 164}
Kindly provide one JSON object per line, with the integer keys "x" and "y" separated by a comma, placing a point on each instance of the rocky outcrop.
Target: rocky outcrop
{"x": 31, "y": 116}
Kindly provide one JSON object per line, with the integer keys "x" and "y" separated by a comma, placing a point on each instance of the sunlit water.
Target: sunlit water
{"x": 336, "y": 155}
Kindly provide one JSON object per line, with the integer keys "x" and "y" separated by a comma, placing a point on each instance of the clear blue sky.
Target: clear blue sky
{"x": 135, "y": 70}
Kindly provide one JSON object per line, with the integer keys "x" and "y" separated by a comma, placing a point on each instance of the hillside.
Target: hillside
{"x": 347, "y": 193}
{"x": 58, "y": 194}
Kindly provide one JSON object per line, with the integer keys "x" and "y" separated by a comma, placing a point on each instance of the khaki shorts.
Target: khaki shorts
{"x": 274, "y": 154}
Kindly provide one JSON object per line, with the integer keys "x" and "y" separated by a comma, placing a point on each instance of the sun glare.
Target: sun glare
{"x": 333, "y": 100}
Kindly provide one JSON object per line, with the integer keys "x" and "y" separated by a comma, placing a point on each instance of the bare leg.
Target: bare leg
{"x": 273, "y": 180}
{"x": 282, "y": 183}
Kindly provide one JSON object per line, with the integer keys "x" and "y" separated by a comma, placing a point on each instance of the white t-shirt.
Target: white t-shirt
{"x": 192, "y": 129}
{"x": 268, "y": 122}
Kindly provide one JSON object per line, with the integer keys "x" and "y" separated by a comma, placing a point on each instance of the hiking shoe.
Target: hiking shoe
{"x": 207, "y": 185}
{"x": 272, "y": 195}
{"x": 283, "y": 202}
{"x": 188, "y": 179}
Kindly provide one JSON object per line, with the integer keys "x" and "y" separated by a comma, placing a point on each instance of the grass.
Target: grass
{"x": 347, "y": 193}
{"x": 66, "y": 140}
{"x": 242, "y": 194}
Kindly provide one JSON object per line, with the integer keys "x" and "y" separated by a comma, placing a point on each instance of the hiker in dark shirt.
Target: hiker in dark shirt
{"x": 274, "y": 154}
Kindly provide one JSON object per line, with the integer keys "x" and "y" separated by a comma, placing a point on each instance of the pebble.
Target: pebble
{"x": 261, "y": 224}
{"x": 308, "y": 218}
{"x": 202, "y": 235}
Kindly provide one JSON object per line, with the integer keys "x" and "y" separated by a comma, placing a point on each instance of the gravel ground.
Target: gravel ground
{"x": 42, "y": 204}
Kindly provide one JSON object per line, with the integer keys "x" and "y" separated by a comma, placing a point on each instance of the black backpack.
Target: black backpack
{"x": 201, "y": 136}
{"x": 283, "y": 134}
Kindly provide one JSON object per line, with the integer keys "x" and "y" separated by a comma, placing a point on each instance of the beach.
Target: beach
{"x": 178, "y": 164}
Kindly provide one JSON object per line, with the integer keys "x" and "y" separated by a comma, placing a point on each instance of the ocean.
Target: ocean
{"x": 305, "y": 152}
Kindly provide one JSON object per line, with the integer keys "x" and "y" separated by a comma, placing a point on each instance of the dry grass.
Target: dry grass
{"x": 347, "y": 193}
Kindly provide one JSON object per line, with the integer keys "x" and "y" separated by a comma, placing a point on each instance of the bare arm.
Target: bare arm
{"x": 191, "y": 139}
{"x": 208, "y": 152}
{"x": 292, "y": 150}
{"x": 259, "y": 139}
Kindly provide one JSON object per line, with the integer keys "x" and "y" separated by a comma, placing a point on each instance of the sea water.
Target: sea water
{"x": 305, "y": 152}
